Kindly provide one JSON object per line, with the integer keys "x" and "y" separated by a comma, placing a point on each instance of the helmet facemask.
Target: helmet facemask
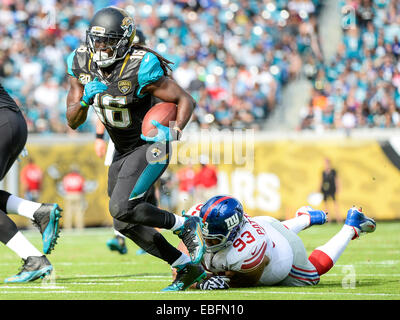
{"x": 225, "y": 240}
{"x": 222, "y": 218}
{"x": 118, "y": 44}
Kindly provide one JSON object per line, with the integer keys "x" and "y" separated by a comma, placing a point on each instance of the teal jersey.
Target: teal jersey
{"x": 123, "y": 105}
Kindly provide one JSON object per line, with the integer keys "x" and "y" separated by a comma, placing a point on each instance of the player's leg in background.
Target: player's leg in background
{"x": 14, "y": 134}
{"x": 305, "y": 217}
{"x": 13, "y": 131}
{"x": 117, "y": 243}
{"x": 35, "y": 265}
{"x": 325, "y": 256}
{"x": 45, "y": 216}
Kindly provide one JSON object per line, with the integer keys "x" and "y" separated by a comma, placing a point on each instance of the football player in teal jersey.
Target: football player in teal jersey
{"x": 119, "y": 79}
{"x": 117, "y": 243}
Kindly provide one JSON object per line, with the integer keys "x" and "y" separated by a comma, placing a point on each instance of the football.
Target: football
{"x": 163, "y": 112}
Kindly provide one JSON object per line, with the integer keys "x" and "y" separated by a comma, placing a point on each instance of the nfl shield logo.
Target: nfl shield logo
{"x": 124, "y": 86}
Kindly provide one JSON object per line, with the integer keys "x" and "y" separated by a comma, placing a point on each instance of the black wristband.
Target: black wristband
{"x": 99, "y": 135}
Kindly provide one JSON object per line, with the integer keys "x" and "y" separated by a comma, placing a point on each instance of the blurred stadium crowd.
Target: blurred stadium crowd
{"x": 360, "y": 86}
{"x": 233, "y": 56}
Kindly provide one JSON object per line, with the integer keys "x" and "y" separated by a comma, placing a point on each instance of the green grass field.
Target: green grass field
{"x": 86, "y": 270}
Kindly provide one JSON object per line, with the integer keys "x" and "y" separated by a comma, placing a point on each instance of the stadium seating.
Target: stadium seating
{"x": 359, "y": 88}
{"x": 234, "y": 57}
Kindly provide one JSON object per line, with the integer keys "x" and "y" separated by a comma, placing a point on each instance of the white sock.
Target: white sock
{"x": 336, "y": 245}
{"x": 297, "y": 224}
{"x": 179, "y": 221}
{"x": 183, "y": 259}
{"x": 22, "y": 207}
{"x": 119, "y": 234}
{"x": 22, "y": 247}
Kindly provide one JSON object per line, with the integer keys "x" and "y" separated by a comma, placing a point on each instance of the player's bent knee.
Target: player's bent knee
{"x": 121, "y": 227}
{"x": 141, "y": 212}
{"x": 119, "y": 211}
{"x": 134, "y": 211}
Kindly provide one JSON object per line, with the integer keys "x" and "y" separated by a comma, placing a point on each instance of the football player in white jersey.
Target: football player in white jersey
{"x": 243, "y": 251}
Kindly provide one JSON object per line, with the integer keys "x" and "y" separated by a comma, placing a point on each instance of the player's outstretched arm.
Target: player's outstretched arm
{"x": 247, "y": 279}
{"x": 76, "y": 114}
{"x": 234, "y": 279}
{"x": 168, "y": 90}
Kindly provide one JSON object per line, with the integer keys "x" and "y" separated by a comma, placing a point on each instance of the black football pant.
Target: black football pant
{"x": 13, "y": 136}
{"x": 130, "y": 181}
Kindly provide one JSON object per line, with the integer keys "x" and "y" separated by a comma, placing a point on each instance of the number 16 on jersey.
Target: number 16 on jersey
{"x": 112, "y": 110}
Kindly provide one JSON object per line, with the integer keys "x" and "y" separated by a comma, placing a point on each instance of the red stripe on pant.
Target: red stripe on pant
{"x": 321, "y": 261}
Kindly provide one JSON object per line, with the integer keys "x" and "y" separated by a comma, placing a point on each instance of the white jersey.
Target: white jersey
{"x": 257, "y": 238}
{"x": 248, "y": 249}
{"x": 282, "y": 254}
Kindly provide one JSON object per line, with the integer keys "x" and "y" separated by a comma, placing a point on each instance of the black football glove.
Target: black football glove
{"x": 214, "y": 283}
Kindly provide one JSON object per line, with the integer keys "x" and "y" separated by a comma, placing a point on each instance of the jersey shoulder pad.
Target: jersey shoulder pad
{"x": 194, "y": 210}
{"x": 79, "y": 63}
{"x": 150, "y": 71}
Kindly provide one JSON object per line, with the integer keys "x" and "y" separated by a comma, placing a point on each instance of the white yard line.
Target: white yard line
{"x": 383, "y": 263}
{"x": 227, "y": 292}
{"x": 99, "y": 281}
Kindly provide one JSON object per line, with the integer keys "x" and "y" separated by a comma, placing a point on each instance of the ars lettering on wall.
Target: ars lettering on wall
{"x": 256, "y": 191}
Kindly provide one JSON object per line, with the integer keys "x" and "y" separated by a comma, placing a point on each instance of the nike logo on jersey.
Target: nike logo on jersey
{"x": 147, "y": 59}
{"x": 255, "y": 259}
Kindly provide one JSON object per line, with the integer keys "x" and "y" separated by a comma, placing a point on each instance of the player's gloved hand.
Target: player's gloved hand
{"x": 214, "y": 283}
{"x": 91, "y": 89}
{"x": 163, "y": 133}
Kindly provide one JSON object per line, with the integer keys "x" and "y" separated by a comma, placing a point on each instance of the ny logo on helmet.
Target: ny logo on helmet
{"x": 232, "y": 222}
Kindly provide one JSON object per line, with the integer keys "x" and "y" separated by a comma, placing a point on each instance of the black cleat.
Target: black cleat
{"x": 46, "y": 219}
{"x": 191, "y": 235}
{"x": 32, "y": 269}
{"x": 186, "y": 276}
